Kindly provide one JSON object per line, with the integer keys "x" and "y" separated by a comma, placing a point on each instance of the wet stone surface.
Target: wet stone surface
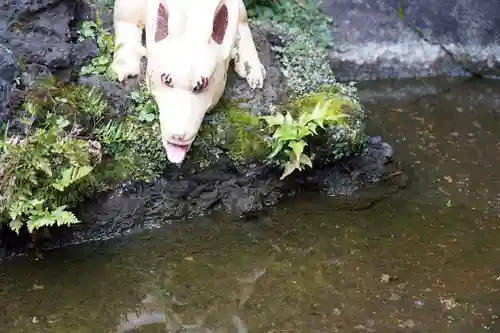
{"x": 414, "y": 38}
{"x": 274, "y": 89}
{"x": 9, "y": 70}
{"x": 40, "y": 35}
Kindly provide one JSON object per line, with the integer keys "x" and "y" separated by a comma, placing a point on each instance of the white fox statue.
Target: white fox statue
{"x": 189, "y": 44}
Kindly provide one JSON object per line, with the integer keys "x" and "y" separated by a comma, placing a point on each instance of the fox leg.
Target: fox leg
{"x": 128, "y": 19}
{"x": 246, "y": 58}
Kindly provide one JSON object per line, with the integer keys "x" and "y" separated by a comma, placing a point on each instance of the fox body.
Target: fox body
{"x": 189, "y": 45}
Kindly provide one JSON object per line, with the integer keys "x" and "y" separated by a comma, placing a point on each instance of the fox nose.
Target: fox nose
{"x": 178, "y": 137}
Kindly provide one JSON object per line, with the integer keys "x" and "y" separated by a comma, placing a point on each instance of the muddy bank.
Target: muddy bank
{"x": 226, "y": 169}
{"x": 390, "y": 39}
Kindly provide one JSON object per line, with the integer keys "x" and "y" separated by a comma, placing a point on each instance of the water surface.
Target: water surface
{"x": 425, "y": 261}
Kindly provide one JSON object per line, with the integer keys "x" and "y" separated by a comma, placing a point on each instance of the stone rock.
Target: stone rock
{"x": 42, "y": 32}
{"x": 33, "y": 74}
{"x": 356, "y": 182}
{"x": 83, "y": 52}
{"x": 377, "y": 39}
{"x": 41, "y": 36}
{"x": 274, "y": 89}
{"x": 9, "y": 71}
{"x": 119, "y": 101}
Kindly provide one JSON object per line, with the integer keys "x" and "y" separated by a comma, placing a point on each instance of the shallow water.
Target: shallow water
{"x": 425, "y": 261}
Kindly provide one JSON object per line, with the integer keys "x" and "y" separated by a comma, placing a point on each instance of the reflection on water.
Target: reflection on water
{"x": 427, "y": 261}
{"x": 451, "y": 135}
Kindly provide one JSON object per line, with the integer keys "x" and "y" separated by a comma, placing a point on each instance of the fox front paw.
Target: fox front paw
{"x": 127, "y": 61}
{"x": 255, "y": 75}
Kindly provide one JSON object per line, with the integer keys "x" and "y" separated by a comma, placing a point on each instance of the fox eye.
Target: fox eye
{"x": 201, "y": 85}
{"x": 166, "y": 80}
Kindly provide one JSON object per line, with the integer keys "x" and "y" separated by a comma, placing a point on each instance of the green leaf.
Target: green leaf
{"x": 44, "y": 166}
{"x": 16, "y": 225}
{"x": 34, "y": 202}
{"x": 148, "y": 117}
{"x": 288, "y": 119}
{"x": 274, "y": 120}
{"x": 305, "y": 118}
{"x": 289, "y": 168}
{"x": 297, "y": 147}
{"x": 85, "y": 70}
{"x": 336, "y": 117}
{"x": 278, "y": 147}
{"x": 66, "y": 218}
{"x": 302, "y": 131}
{"x": 319, "y": 111}
{"x": 38, "y": 222}
{"x": 304, "y": 159}
{"x": 58, "y": 217}
{"x": 312, "y": 127}
{"x": 62, "y": 122}
{"x": 71, "y": 175}
{"x": 286, "y": 133}
{"x": 103, "y": 60}
{"x": 401, "y": 13}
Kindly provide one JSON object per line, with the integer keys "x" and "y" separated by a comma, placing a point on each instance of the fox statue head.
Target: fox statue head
{"x": 189, "y": 45}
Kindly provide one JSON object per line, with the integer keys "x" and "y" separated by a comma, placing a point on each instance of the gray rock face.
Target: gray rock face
{"x": 38, "y": 32}
{"x": 9, "y": 70}
{"x": 40, "y": 35}
{"x": 42, "y": 32}
{"x": 274, "y": 90}
{"x": 414, "y": 38}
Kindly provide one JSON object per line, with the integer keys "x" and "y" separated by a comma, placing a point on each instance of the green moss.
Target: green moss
{"x": 340, "y": 138}
{"x": 233, "y": 131}
{"x": 304, "y": 54}
{"x": 139, "y": 156}
{"x": 260, "y": 8}
{"x": 245, "y": 135}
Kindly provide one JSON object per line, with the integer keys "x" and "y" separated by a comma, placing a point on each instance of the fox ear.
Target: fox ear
{"x": 220, "y": 22}
{"x": 225, "y": 25}
{"x": 161, "y": 29}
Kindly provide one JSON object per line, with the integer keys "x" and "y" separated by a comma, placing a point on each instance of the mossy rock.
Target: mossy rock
{"x": 337, "y": 139}
{"x": 231, "y": 131}
{"x": 118, "y": 132}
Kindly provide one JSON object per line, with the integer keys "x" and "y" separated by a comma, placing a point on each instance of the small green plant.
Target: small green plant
{"x": 291, "y": 134}
{"x": 65, "y": 147}
{"x": 100, "y": 65}
{"x": 146, "y": 107}
{"x": 264, "y": 9}
{"x": 38, "y": 167}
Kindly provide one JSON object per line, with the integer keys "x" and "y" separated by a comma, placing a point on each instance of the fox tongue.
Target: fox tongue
{"x": 176, "y": 153}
